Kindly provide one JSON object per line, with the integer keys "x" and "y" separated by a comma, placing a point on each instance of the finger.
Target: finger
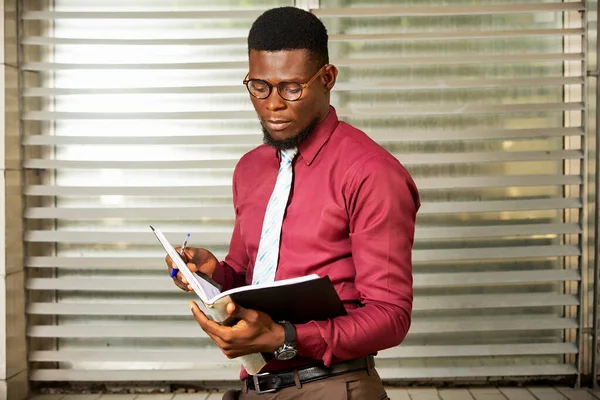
{"x": 176, "y": 281}
{"x": 231, "y": 309}
{"x": 170, "y": 262}
{"x": 210, "y": 327}
{"x": 192, "y": 267}
{"x": 235, "y": 310}
{"x": 180, "y": 285}
{"x": 199, "y": 316}
{"x": 239, "y": 313}
{"x": 181, "y": 278}
{"x": 186, "y": 256}
{"x": 190, "y": 288}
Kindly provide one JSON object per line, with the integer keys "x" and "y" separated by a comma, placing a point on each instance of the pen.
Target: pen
{"x": 183, "y": 246}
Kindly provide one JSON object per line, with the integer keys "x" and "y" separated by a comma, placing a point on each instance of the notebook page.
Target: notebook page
{"x": 283, "y": 282}
{"x": 202, "y": 288}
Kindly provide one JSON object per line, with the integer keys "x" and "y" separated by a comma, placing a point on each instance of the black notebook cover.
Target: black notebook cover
{"x": 313, "y": 300}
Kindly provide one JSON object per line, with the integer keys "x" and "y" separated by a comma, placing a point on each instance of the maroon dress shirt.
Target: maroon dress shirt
{"x": 351, "y": 216}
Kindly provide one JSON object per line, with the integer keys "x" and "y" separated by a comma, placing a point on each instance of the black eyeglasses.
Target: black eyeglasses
{"x": 290, "y": 91}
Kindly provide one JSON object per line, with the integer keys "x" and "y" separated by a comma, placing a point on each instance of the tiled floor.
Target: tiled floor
{"x": 478, "y": 393}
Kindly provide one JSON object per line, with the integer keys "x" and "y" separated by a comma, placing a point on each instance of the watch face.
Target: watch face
{"x": 286, "y": 354}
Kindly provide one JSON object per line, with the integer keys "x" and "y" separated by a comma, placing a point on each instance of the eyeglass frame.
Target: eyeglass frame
{"x": 270, "y": 85}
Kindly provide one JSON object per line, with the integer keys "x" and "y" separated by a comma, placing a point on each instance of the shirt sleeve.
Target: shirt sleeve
{"x": 382, "y": 202}
{"x": 231, "y": 272}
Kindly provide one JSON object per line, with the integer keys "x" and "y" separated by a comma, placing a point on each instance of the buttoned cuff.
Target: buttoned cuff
{"x": 309, "y": 341}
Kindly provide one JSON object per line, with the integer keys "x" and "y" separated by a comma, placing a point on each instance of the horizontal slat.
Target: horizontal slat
{"x": 52, "y": 140}
{"x": 189, "y": 191}
{"x": 350, "y": 112}
{"x": 378, "y": 86}
{"x": 499, "y": 205}
{"x": 156, "y": 263}
{"x": 255, "y": 139}
{"x": 400, "y": 11}
{"x": 421, "y": 281}
{"x": 330, "y": 12}
{"x": 182, "y": 329}
{"x": 486, "y": 350}
{"x": 210, "y": 371}
{"x": 209, "y": 238}
{"x": 483, "y": 301}
{"x": 242, "y": 41}
{"x": 532, "y": 370}
{"x": 404, "y": 351}
{"x": 470, "y": 182}
{"x": 506, "y": 253}
{"x": 406, "y": 159}
{"x": 216, "y": 372}
{"x": 358, "y": 62}
{"x": 441, "y": 280}
{"x": 153, "y": 165}
{"x": 226, "y": 212}
{"x": 180, "y": 308}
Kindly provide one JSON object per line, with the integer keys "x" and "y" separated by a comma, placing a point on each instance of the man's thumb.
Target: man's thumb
{"x": 236, "y": 310}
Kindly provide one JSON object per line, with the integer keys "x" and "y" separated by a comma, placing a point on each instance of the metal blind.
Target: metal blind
{"x": 136, "y": 115}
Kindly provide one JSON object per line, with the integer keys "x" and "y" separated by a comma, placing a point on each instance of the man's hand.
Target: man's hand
{"x": 196, "y": 260}
{"x": 255, "y": 332}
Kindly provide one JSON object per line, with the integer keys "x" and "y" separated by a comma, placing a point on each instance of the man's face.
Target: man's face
{"x": 281, "y": 119}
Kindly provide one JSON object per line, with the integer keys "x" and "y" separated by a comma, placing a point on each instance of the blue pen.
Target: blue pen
{"x": 183, "y": 246}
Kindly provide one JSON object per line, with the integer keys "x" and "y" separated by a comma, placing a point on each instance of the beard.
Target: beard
{"x": 290, "y": 143}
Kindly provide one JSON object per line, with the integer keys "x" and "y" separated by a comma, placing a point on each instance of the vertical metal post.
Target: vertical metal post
{"x": 582, "y": 264}
{"x": 596, "y": 74}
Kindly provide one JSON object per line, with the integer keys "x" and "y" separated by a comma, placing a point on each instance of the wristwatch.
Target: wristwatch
{"x": 287, "y": 350}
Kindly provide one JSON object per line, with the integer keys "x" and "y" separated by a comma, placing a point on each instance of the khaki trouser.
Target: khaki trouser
{"x": 358, "y": 385}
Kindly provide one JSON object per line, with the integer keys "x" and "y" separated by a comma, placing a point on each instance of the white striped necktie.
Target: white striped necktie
{"x": 268, "y": 248}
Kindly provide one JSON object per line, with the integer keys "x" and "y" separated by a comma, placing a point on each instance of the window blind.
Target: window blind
{"x": 137, "y": 115}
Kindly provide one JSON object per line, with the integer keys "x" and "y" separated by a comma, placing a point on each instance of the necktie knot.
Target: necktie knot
{"x": 288, "y": 155}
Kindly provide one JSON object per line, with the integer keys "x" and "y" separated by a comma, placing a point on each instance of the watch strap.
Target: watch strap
{"x": 289, "y": 333}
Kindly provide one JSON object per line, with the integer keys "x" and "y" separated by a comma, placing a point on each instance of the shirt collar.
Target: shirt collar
{"x": 310, "y": 147}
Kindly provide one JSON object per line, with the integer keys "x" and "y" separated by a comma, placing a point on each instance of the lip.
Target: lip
{"x": 277, "y": 124}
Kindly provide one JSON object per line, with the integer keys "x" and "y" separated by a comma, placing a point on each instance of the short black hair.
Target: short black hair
{"x": 290, "y": 28}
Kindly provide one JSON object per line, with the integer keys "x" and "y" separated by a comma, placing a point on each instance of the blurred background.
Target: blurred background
{"x": 123, "y": 114}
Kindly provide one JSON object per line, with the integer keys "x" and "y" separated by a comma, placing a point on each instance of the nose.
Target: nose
{"x": 275, "y": 102}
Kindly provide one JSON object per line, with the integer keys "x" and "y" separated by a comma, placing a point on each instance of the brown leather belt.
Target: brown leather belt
{"x": 269, "y": 382}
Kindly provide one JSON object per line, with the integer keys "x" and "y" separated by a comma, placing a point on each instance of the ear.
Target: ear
{"x": 329, "y": 77}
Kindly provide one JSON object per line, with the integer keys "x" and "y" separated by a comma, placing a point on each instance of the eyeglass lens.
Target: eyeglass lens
{"x": 261, "y": 89}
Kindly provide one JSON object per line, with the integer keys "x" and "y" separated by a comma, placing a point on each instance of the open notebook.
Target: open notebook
{"x": 297, "y": 300}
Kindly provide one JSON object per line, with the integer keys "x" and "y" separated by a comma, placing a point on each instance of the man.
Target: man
{"x": 347, "y": 210}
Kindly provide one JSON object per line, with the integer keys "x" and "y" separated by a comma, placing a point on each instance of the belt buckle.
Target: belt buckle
{"x": 257, "y": 388}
